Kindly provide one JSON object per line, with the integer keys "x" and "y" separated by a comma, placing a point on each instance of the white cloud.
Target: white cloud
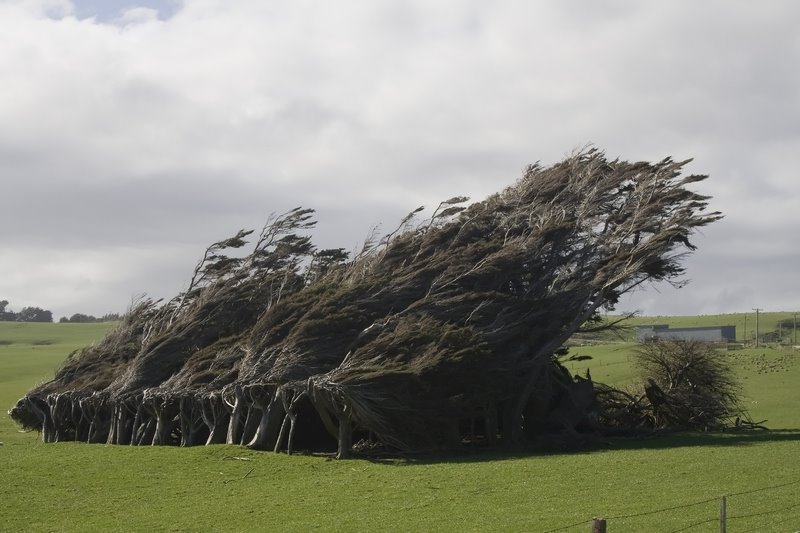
{"x": 44, "y": 8}
{"x": 137, "y": 15}
{"x": 156, "y": 133}
{"x": 93, "y": 281}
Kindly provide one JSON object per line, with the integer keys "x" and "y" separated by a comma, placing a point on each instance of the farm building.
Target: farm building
{"x": 705, "y": 334}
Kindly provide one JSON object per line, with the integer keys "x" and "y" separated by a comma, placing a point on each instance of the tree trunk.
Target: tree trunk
{"x": 292, "y": 425}
{"x": 80, "y": 420}
{"x": 216, "y": 418}
{"x": 162, "y": 431}
{"x": 92, "y": 433}
{"x": 235, "y": 425}
{"x": 55, "y": 419}
{"x": 43, "y": 414}
{"x": 345, "y": 438}
{"x": 148, "y": 432}
{"x": 138, "y": 426}
{"x": 516, "y": 407}
{"x": 186, "y": 418}
{"x": 121, "y": 425}
{"x": 266, "y": 435}
{"x": 291, "y": 418}
{"x": 251, "y": 423}
{"x": 125, "y": 432}
{"x": 165, "y": 414}
{"x": 282, "y": 433}
{"x": 87, "y": 417}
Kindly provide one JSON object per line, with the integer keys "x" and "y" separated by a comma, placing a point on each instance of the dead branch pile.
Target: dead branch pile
{"x": 440, "y": 333}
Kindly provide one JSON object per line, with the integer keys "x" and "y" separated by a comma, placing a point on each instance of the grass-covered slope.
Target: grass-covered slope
{"x": 30, "y": 353}
{"x": 80, "y": 487}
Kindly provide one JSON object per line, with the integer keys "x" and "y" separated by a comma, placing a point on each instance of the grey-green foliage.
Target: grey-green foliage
{"x": 440, "y": 332}
{"x": 689, "y": 385}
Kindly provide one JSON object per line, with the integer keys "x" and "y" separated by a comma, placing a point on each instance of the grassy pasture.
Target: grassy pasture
{"x": 769, "y": 377}
{"x": 31, "y": 353}
{"x": 79, "y": 487}
{"x": 745, "y": 323}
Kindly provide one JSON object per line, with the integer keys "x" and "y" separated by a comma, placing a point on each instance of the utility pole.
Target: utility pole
{"x": 744, "y": 333}
{"x": 757, "y": 309}
{"x": 795, "y": 329}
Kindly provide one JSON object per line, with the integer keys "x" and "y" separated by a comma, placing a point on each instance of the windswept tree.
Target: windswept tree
{"x": 441, "y": 332}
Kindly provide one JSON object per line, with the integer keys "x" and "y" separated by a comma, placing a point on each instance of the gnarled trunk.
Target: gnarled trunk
{"x": 216, "y": 418}
{"x": 166, "y": 409}
{"x": 269, "y": 426}
{"x": 237, "y": 409}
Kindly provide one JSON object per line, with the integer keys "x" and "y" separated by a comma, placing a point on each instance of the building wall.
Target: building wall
{"x": 710, "y": 334}
{"x": 702, "y": 335}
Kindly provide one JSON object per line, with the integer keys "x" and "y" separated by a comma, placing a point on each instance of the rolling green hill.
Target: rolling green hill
{"x": 31, "y": 352}
{"x": 768, "y": 322}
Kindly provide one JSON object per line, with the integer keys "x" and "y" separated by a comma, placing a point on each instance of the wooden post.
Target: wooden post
{"x": 723, "y": 515}
{"x": 598, "y": 525}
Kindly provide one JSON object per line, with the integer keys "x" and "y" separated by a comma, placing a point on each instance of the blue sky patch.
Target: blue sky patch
{"x": 110, "y": 10}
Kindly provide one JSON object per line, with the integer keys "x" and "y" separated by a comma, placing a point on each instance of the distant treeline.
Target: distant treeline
{"x": 37, "y": 314}
{"x": 28, "y": 314}
{"x": 83, "y": 319}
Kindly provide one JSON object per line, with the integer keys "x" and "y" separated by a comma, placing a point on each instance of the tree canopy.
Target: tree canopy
{"x": 27, "y": 314}
{"x": 441, "y": 332}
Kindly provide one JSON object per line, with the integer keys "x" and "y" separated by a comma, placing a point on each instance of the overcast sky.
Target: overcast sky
{"x": 133, "y": 134}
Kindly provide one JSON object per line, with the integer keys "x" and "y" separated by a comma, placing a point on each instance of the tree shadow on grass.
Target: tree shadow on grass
{"x": 681, "y": 440}
{"x": 595, "y": 445}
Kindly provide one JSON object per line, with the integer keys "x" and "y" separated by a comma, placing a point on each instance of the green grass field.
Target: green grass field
{"x": 80, "y": 487}
{"x": 745, "y": 324}
{"x": 31, "y": 353}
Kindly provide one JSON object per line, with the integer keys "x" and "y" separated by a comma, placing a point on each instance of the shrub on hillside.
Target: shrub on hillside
{"x": 688, "y": 385}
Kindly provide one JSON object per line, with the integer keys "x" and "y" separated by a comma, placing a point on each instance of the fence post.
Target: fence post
{"x": 598, "y": 525}
{"x": 723, "y": 515}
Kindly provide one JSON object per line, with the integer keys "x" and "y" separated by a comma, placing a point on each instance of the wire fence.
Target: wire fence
{"x": 748, "y": 514}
